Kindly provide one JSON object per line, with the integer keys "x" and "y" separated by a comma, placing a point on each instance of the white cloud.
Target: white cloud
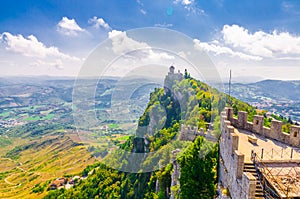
{"x": 237, "y": 41}
{"x": 183, "y": 54}
{"x": 139, "y": 2}
{"x": 222, "y": 50}
{"x": 184, "y": 2}
{"x": 190, "y": 6}
{"x": 58, "y": 64}
{"x": 287, "y": 6}
{"x": 157, "y": 56}
{"x": 259, "y": 43}
{"x": 122, "y": 44}
{"x": 164, "y": 25}
{"x": 99, "y": 22}
{"x": 290, "y": 7}
{"x": 31, "y": 47}
{"x": 262, "y": 54}
{"x": 69, "y": 27}
{"x": 143, "y": 11}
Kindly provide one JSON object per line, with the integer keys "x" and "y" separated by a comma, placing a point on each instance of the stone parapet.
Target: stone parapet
{"x": 249, "y": 186}
{"x": 274, "y": 132}
{"x": 231, "y": 171}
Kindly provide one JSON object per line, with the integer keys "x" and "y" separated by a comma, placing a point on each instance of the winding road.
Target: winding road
{"x": 17, "y": 167}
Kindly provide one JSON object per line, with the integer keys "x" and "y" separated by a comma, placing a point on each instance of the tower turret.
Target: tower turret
{"x": 172, "y": 68}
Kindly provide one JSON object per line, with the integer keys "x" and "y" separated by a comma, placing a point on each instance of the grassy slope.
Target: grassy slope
{"x": 47, "y": 159}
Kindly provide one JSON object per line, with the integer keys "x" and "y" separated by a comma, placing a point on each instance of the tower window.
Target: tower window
{"x": 295, "y": 134}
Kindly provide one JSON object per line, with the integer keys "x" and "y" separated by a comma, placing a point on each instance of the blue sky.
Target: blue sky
{"x": 254, "y": 38}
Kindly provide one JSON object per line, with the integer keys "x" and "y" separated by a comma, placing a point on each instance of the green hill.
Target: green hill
{"x": 183, "y": 101}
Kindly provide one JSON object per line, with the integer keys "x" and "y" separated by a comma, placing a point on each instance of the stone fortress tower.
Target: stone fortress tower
{"x": 171, "y": 78}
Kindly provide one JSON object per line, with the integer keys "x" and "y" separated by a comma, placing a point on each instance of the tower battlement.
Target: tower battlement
{"x": 188, "y": 132}
{"x": 172, "y": 77}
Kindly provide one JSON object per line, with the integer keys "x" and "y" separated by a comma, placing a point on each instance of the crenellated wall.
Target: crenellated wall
{"x": 274, "y": 132}
{"x": 295, "y": 136}
{"x": 258, "y": 123}
{"x": 188, "y": 133}
{"x": 231, "y": 164}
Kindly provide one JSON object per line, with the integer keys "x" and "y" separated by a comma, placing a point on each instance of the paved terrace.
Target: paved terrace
{"x": 281, "y": 151}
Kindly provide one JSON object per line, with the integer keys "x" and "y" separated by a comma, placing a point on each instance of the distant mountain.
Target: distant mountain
{"x": 281, "y": 97}
{"x": 289, "y": 90}
{"x": 275, "y": 89}
{"x": 247, "y": 79}
{"x": 32, "y": 91}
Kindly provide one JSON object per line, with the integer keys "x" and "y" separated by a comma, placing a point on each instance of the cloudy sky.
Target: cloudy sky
{"x": 256, "y": 39}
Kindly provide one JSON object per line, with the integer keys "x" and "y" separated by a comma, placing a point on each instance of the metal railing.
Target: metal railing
{"x": 278, "y": 154}
{"x": 268, "y": 176}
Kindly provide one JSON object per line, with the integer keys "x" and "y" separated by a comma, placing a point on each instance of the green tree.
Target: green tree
{"x": 198, "y": 167}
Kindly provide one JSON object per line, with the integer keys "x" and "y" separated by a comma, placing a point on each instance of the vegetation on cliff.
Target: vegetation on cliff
{"x": 188, "y": 102}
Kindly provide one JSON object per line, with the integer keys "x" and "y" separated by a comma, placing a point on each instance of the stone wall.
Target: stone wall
{"x": 258, "y": 122}
{"x": 171, "y": 78}
{"x": 231, "y": 163}
{"x": 175, "y": 174}
{"x": 295, "y": 136}
{"x": 274, "y": 132}
{"x": 188, "y": 133}
{"x": 249, "y": 185}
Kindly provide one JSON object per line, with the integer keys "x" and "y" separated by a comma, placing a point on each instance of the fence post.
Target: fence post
{"x": 292, "y": 150}
{"x": 262, "y": 153}
{"x": 281, "y": 152}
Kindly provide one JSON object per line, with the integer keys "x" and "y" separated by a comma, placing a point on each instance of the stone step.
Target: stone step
{"x": 249, "y": 167}
{"x": 249, "y": 164}
{"x": 254, "y": 174}
{"x": 259, "y": 190}
{"x": 250, "y": 170}
{"x": 259, "y": 195}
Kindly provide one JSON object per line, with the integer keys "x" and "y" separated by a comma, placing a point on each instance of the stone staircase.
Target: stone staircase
{"x": 249, "y": 167}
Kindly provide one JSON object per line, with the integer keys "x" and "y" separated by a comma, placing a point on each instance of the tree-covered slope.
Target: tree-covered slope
{"x": 187, "y": 101}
